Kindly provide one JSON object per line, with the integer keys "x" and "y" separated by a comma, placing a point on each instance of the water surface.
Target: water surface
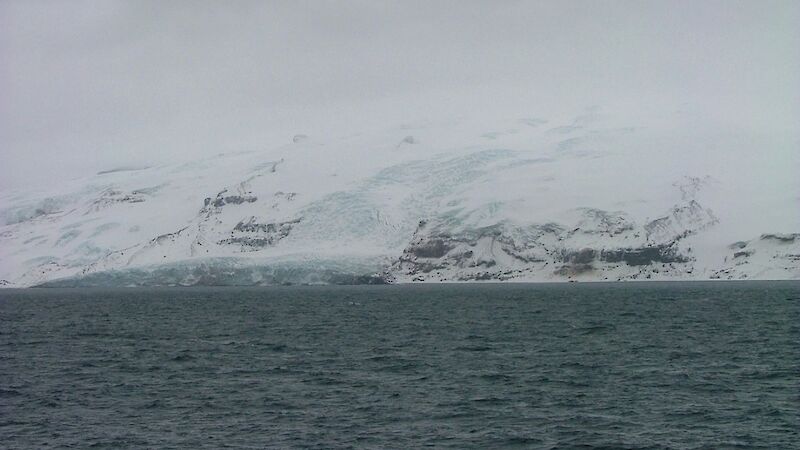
{"x": 644, "y": 365}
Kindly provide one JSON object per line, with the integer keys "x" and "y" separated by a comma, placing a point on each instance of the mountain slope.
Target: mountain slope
{"x": 589, "y": 197}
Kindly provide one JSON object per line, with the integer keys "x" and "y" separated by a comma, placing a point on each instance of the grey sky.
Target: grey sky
{"x": 87, "y": 85}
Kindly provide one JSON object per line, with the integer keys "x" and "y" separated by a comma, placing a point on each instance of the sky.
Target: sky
{"x": 92, "y": 85}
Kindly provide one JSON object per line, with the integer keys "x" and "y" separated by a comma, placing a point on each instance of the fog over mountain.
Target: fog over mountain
{"x": 146, "y": 143}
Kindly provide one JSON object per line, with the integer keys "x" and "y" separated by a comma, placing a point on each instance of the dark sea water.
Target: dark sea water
{"x": 681, "y": 365}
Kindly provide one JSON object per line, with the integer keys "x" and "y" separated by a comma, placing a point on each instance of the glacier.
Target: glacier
{"x": 589, "y": 197}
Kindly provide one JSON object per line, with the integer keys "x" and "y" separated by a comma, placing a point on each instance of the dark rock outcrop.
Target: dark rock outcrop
{"x": 221, "y": 200}
{"x": 252, "y": 235}
{"x": 582, "y": 256}
{"x": 784, "y": 238}
{"x": 642, "y": 256}
{"x": 111, "y": 197}
{"x": 681, "y": 221}
{"x": 434, "y": 248}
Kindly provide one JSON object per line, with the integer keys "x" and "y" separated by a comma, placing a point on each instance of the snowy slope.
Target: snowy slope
{"x": 583, "y": 197}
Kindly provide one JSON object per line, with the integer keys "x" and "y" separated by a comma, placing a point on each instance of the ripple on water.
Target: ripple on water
{"x": 638, "y": 366}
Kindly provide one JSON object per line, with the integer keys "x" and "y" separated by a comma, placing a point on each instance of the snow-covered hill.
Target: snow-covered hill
{"x": 588, "y": 197}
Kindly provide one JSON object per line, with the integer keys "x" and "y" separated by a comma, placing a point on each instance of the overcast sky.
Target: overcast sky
{"x": 89, "y": 85}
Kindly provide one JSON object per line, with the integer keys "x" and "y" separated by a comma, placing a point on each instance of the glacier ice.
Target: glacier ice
{"x": 541, "y": 200}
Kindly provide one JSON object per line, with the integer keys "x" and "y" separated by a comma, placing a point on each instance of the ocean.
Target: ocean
{"x": 595, "y": 365}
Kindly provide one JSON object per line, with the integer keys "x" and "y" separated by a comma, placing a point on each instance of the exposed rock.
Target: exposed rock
{"x": 502, "y": 251}
{"x": 738, "y": 244}
{"x": 168, "y": 236}
{"x": 583, "y": 256}
{"x": 254, "y": 235}
{"x": 110, "y": 197}
{"x": 644, "y": 255}
{"x": 234, "y": 200}
{"x": 288, "y": 196}
{"x": 253, "y": 242}
{"x": 682, "y": 221}
{"x": 786, "y": 238}
{"x": 222, "y": 200}
{"x": 435, "y": 248}
{"x": 480, "y": 276}
{"x": 252, "y": 226}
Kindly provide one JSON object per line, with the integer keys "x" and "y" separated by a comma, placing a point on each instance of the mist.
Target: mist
{"x": 90, "y": 85}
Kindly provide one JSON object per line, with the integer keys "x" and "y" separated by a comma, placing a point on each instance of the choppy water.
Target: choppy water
{"x": 696, "y": 365}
